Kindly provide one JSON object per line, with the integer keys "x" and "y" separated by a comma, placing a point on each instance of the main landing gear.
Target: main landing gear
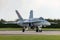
{"x": 38, "y": 29}
{"x": 24, "y": 28}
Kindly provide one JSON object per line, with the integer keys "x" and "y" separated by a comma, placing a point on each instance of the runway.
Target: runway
{"x": 29, "y": 32}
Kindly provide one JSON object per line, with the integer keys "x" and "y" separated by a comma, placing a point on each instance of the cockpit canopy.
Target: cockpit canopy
{"x": 41, "y": 18}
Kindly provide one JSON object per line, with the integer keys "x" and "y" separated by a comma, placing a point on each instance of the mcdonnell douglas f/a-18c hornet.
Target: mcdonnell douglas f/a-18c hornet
{"x": 32, "y": 23}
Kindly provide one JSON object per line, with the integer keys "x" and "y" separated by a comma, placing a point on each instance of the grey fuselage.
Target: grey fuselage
{"x": 33, "y": 22}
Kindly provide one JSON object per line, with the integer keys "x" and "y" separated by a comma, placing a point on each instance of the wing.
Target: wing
{"x": 53, "y": 23}
{"x": 9, "y": 22}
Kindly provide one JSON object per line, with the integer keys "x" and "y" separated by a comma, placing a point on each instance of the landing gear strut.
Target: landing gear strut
{"x": 38, "y": 29}
{"x": 24, "y": 28}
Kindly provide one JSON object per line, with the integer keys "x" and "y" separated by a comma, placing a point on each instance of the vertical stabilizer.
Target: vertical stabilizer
{"x": 31, "y": 14}
{"x": 19, "y": 15}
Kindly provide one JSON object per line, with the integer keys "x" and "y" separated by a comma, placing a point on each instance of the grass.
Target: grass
{"x": 51, "y": 29}
{"x": 10, "y": 29}
{"x": 29, "y": 37}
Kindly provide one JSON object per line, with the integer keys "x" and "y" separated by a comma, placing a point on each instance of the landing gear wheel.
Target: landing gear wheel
{"x": 37, "y": 29}
{"x": 23, "y": 30}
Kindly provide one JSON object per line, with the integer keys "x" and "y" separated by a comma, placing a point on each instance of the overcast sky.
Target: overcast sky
{"x": 41, "y": 8}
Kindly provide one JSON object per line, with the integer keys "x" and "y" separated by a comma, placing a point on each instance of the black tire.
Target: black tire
{"x": 23, "y": 30}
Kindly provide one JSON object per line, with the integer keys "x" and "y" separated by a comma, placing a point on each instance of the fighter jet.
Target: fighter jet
{"x": 32, "y": 23}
